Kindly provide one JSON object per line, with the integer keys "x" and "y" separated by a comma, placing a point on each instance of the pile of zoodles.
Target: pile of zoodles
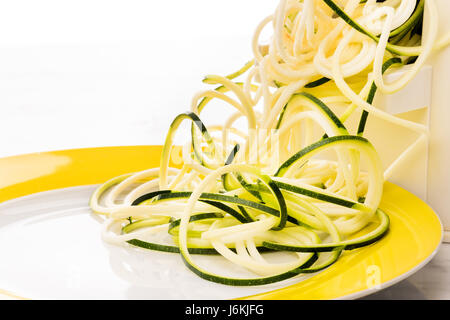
{"x": 293, "y": 178}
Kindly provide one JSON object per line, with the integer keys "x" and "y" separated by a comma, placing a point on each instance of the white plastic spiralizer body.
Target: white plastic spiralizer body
{"x": 425, "y": 100}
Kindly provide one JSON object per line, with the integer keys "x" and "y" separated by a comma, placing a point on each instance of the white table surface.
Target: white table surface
{"x": 72, "y": 96}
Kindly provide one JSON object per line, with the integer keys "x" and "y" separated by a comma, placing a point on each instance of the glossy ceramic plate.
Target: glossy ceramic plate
{"x": 51, "y": 247}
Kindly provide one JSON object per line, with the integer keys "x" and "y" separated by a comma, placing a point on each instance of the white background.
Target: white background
{"x": 92, "y": 73}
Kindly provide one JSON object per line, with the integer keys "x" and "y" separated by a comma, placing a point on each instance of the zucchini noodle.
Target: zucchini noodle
{"x": 293, "y": 179}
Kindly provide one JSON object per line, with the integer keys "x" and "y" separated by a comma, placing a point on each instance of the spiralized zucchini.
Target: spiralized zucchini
{"x": 293, "y": 178}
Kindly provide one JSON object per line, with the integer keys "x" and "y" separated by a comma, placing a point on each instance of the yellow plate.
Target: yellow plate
{"x": 413, "y": 239}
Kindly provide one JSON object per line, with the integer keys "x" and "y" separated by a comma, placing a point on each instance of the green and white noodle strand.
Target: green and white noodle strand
{"x": 293, "y": 178}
